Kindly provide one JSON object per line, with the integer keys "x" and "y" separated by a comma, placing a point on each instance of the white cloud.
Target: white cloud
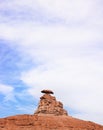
{"x": 71, "y": 12}
{"x": 50, "y": 36}
{"x": 93, "y": 116}
{"x": 5, "y": 89}
{"x": 67, "y": 9}
{"x": 8, "y": 92}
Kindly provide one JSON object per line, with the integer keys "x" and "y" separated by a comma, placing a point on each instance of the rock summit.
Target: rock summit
{"x": 47, "y": 92}
{"x": 49, "y": 105}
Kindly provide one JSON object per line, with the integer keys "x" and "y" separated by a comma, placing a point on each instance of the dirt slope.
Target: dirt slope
{"x": 46, "y": 122}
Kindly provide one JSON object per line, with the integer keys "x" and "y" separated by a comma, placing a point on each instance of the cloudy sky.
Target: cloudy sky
{"x": 52, "y": 44}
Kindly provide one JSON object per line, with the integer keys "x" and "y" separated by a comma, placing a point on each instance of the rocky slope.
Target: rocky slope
{"x": 49, "y": 115}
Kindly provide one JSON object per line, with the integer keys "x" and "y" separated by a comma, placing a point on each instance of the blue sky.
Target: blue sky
{"x": 54, "y": 44}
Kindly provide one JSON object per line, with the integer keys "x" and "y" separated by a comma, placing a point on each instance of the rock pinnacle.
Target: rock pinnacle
{"x": 49, "y": 105}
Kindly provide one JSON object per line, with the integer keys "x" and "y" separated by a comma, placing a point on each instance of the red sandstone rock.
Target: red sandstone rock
{"x": 49, "y": 105}
{"x": 46, "y": 122}
{"x": 50, "y": 115}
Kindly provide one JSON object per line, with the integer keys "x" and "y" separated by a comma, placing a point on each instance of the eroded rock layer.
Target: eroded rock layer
{"x": 49, "y": 105}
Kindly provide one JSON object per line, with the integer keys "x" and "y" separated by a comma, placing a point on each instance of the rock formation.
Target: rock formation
{"x": 49, "y": 105}
{"x": 49, "y": 115}
{"x": 47, "y": 91}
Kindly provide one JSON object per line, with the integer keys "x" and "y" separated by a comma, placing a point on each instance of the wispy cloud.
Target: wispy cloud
{"x": 5, "y": 89}
{"x": 56, "y": 45}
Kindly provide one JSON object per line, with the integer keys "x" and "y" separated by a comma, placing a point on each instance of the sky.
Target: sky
{"x": 52, "y": 44}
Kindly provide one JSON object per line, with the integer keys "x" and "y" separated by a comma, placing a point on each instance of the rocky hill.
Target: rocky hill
{"x": 49, "y": 115}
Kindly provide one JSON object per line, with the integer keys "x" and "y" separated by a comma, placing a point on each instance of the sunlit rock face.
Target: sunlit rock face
{"x": 49, "y": 105}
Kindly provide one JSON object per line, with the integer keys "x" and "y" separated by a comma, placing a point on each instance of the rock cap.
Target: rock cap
{"x": 47, "y": 91}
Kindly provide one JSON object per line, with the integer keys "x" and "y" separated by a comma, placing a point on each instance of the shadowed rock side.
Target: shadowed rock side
{"x": 47, "y": 92}
{"x": 50, "y": 115}
{"x": 49, "y": 105}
